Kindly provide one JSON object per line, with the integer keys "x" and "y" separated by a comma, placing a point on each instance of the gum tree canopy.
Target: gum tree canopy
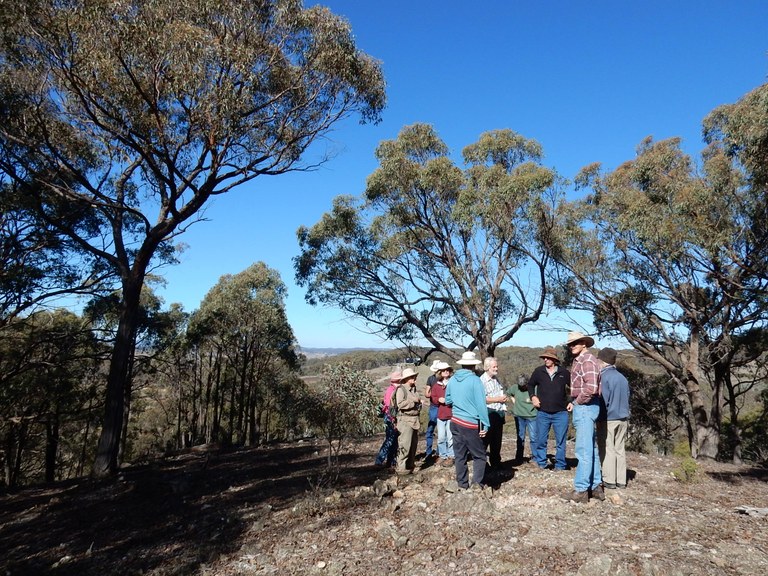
{"x": 456, "y": 257}
{"x": 124, "y": 117}
{"x": 671, "y": 255}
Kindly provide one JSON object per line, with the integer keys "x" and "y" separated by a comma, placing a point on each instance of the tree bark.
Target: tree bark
{"x": 51, "y": 445}
{"x": 106, "y": 462}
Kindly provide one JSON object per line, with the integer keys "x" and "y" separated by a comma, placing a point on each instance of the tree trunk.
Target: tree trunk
{"x": 707, "y": 434}
{"x": 7, "y": 448}
{"x": 218, "y": 403}
{"x": 106, "y": 461}
{"x": 127, "y": 403}
{"x": 51, "y": 445}
{"x": 733, "y": 412}
{"x": 707, "y": 438}
{"x": 86, "y": 437}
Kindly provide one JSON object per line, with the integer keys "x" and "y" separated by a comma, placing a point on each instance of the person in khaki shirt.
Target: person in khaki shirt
{"x": 408, "y": 404}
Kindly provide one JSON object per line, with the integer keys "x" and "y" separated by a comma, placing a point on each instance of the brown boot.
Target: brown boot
{"x": 578, "y": 497}
{"x": 598, "y": 493}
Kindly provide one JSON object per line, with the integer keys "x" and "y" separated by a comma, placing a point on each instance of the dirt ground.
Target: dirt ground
{"x": 264, "y": 511}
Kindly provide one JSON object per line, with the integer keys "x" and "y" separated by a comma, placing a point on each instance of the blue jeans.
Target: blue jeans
{"x": 558, "y": 421}
{"x": 388, "y": 451}
{"x": 431, "y": 425}
{"x": 588, "y": 471}
{"x": 444, "y": 439}
{"x": 524, "y": 424}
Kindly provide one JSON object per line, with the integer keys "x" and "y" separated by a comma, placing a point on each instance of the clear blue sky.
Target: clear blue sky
{"x": 587, "y": 79}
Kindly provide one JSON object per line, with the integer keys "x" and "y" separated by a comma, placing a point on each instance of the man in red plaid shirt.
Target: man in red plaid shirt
{"x": 585, "y": 391}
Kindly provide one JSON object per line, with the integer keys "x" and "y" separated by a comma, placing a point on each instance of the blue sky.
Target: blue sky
{"x": 587, "y": 79}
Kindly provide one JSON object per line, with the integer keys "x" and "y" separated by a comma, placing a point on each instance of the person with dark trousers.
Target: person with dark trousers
{"x": 525, "y": 417}
{"x": 469, "y": 421}
{"x": 548, "y": 388}
{"x": 496, "y": 400}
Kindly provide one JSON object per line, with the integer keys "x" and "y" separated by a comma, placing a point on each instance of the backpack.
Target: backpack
{"x": 393, "y": 403}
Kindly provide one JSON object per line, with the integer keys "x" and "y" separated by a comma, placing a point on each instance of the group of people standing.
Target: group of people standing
{"x": 468, "y": 412}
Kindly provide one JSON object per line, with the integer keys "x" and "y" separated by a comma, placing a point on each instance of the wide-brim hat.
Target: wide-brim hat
{"x": 550, "y": 352}
{"x": 407, "y": 373}
{"x": 578, "y": 337}
{"x": 434, "y": 367}
{"x": 468, "y": 359}
{"x": 442, "y": 366}
{"x": 394, "y": 378}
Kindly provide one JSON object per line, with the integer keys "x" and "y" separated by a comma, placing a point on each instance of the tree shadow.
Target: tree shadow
{"x": 759, "y": 474}
{"x": 170, "y": 515}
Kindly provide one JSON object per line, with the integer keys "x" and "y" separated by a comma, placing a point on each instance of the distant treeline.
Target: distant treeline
{"x": 513, "y": 360}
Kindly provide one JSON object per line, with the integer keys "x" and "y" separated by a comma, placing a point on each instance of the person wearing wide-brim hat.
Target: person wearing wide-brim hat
{"x": 578, "y": 337}
{"x": 585, "y": 390}
{"x": 408, "y": 423}
{"x": 548, "y": 392}
{"x": 387, "y": 455}
{"x": 469, "y": 422}
{"x": 437, "y": 398}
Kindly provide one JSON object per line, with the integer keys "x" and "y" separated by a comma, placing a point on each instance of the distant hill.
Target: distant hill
{"x": 514, "y": 361}
{"x": 327, "y": 352}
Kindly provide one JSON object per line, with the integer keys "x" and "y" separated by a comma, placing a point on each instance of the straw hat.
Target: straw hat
{"x": 468, "y": 359}
{"x": 578, "y": 337}
{"x": 408, "y": 373}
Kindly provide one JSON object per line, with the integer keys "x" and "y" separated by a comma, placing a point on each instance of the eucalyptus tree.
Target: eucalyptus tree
{"x": 121, "y": 119}
{"x": 46, "y": 386}
{"x": 342, "y": 406}
{"x": 671, "y": 257}
{"x": 35, "y": 264}
{"x": 155, "y": 329}
{"x": 242, "y": 320}
{"x": 455, "y": 257}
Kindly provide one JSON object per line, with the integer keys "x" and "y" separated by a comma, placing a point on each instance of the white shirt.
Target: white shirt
{"x": 493, "y": 388}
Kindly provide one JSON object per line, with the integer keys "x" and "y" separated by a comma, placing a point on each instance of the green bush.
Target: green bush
{"x": 687, "y": 471}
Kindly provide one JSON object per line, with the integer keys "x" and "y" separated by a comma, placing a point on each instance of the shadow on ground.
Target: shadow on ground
{"x": 177, "y": 514}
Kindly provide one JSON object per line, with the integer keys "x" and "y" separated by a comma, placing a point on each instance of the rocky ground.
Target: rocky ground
{"x": 265, "y": 511}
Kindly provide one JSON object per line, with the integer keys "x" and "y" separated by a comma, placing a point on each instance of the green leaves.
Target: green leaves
{"x": 435, "y": 251}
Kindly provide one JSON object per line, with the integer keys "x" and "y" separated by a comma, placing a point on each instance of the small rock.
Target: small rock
{"x": 719, "y": 562}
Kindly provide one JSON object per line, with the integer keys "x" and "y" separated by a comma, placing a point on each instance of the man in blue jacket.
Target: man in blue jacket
{"x": 612, "y": 429}
{"x": 470, "y": 423}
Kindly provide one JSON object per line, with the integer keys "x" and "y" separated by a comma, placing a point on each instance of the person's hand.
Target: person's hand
{"x": 537, "y": 402}
{"x": 441, "y": 400}
{"x": 569, "y": 408}
{"x": 482, "y": 433}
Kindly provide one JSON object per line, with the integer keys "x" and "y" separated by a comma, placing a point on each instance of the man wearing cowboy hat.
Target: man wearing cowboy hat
{"x": 408, "y": 409}
{"x": 585, "y": 391}
{"x": 469, "y": 423}
{"x": 548, "y": 390}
